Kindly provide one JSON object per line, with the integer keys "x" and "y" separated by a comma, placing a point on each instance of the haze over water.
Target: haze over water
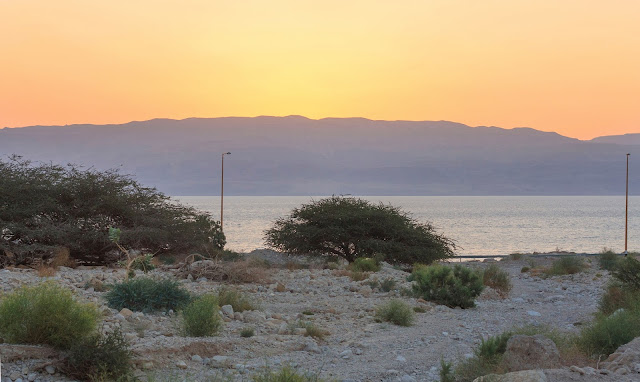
{"x": 480, "y": 225}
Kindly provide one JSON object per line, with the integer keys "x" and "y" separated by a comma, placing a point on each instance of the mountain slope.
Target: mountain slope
{"x": 300, "y": 156}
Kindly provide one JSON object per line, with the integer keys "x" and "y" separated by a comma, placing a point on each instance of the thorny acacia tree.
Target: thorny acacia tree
{"x": 351, "y": 227}
{"x": 46, "y": 206}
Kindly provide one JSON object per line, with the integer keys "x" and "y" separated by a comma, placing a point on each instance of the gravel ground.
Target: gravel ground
{"x": 356, "y": 348}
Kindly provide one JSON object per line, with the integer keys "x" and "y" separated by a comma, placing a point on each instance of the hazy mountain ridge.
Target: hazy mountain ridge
{"x": 299, "y": 156}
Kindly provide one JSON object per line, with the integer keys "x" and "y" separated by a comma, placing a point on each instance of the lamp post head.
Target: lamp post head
{"x": 227, "y": 153}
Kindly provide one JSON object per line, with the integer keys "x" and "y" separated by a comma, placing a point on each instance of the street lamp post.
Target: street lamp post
{"x": 222, "y": 190}
{"x": 626, "y": 210}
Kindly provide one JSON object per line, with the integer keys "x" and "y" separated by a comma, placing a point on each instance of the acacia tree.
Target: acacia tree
{"x": 46, "y": 206}
{"x": 351, "y": 227}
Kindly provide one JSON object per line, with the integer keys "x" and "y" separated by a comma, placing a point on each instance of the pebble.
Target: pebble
{"x": 181, "y": 364}
{"x": 196, "y": 358}
{"x": 533, "y": 313}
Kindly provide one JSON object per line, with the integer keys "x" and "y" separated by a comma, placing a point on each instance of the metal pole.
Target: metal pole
{"x": 222, "y": 190}
{"x": 626, "y": 210}
{"x": 222, "y": 193}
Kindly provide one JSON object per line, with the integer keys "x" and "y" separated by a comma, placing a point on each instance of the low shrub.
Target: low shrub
{"x": 45, "y": 270}
{"x": 608, "y": 259}
{"x": 247, "y": 332}
{"x": 607, "y": 333}
{"x": 387, "y": 284}
{"x": 238, "y": 300}
{"x": 314, "y": 331}
{"x": 617, "y": 297}
{"x": 524, "y": 269}
{"x": 419, "y": 309}
{"x": 486, "y": 358}
{"x": 497, "y": 279}
{"x": 100, "y": 358}
{"x": 45, "y": 314}
{"x": 365, "y": 264}
{"x": 143, "y": 263}
{"x": 628, "y": 273}
{"x": 450, "y": 286}
{"x": 515, "y": 256}
{"x": 566, "y": 265}
{"x": 201, "y": 317}
{"x": 147, "y": 295}
{"x": 397, "y": 312}
{"x": 286, "y": 374}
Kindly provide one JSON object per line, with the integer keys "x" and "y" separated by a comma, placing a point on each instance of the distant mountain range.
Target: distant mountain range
{"x": 299, "y": 156}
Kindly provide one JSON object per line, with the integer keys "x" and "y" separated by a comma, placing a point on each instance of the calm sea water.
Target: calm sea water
{"x": 480, "y": 225}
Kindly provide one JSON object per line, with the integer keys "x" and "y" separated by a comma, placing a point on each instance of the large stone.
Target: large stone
{"x": 227, "y": 310}
{"x": 530, "y": 352}
{"x": 626, "y": 356}
{"x": 516, "y": 376}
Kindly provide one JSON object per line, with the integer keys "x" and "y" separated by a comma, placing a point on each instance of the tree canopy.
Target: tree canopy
{"x": 351, "y": 228}
{"x": 47, "y": 206}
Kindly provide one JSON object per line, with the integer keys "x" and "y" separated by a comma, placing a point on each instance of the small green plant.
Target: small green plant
{"x": 314, "y": 331}
{"x": 45, "y": 314}
{"x": 147, "y": 295}
{"x": 307, "y": 313}
{"x": 628, "y": 273}
{"x": 395, "y": 311}
{"x": 141, "y": 262}
{"x": 446, "y": 371}
{"x": 286, "y": 374}
{"x": 374, "y": 283}
{"x": 238, "y": 300}
{"x": 365, "y": 264}
{"x": 607, "y": 333}
{"x": 497, "y": 279}
{"x": 201, "y": 317}
{"x": 247, "y": 332}
{"x": 100, "y": 357}
{"x": 387, "y": 284}
{"x": 450, "y": 286}
{"x": 493, "y": 348}
{"x": 419, "y": 309}
{"x": 608, "y": 259}
{"x": 524, "y": 269}
{"x": 566, "y": 265}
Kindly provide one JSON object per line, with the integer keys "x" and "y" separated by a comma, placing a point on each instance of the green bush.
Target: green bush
{"x": 628, "y": 273}
{"x": 365, "y": 264}
{"x": 147, "y": 295}
{"x": 515, "y": 256}
{"x": 524, "y": 269}
{"x": 617, "y": 297}
{"x": 387, "y": 284}
{"x": 45, "y": 314}
{"x": 201, "y": 317}
{"x": 312, "y": 330}
{"x": 99, "y": 358}
{"x": 450, "y": 286}
{"x": 497, "y": 279}
{"x": 397, "y": 312}
{"x": 566, "y": 265}
{"x": 486, "y": 359}
{"x": 607, "y": 333}
{"x": 350, "y": 228}
{"x": 238, "y": 300}
{"x": 608, "y": 259}
{"x": 46, "y": 206}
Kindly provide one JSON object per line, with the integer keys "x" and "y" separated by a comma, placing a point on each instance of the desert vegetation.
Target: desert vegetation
{"x": 353, "y": 228}
{"x": 45, "y": 207}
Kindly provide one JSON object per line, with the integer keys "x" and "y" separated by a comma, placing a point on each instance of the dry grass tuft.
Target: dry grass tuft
{"x": 237, "y": 272}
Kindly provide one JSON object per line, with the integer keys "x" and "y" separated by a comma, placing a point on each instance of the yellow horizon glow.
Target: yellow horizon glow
{"x": 570, "y": 66}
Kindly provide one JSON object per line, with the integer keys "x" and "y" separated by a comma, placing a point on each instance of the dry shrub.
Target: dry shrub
{"x": 354, "y": 275}
{"x": 62, "y": 258}
{"x": 238, "y": 272}
{"x": 45, "y": 271}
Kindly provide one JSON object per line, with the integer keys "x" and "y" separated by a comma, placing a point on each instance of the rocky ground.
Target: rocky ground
{"x": 357, "y": 348}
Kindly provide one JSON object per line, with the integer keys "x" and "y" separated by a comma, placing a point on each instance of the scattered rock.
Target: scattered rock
{"x": 181, "y": 364}
{"x": 517, "y": 376}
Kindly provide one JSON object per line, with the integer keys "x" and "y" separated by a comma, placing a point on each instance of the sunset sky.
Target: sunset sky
{"x": 570, "y": 66}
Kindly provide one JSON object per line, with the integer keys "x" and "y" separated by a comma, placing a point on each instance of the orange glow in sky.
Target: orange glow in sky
{"x": 570, "y": 66}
